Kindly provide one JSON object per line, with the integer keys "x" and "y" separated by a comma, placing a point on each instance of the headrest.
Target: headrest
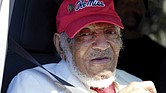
{"x": 33, "y": 24}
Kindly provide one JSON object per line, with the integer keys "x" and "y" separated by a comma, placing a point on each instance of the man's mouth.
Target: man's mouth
{"x": 101, "y": 60}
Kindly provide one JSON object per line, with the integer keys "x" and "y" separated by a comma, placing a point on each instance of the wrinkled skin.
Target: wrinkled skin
{"x": 96, "y": 50}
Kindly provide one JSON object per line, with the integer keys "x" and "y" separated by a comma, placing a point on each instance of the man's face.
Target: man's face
{"x": 131, "y": 12}
{"x": 95, "y": 50}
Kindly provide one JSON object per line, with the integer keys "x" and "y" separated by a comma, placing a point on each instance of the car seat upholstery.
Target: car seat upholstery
{"x": 32, "y": 26}
{"x": 163, "y": 76}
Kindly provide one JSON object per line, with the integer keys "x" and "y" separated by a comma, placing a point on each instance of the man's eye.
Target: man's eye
{"x": 85, "y": 34}
{"x": 110, "y": 32}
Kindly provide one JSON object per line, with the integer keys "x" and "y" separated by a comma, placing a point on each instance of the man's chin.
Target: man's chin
{"x": 96, "y": 82}
{"x": 100, "y": 83}
{"x": 89, "y": 81}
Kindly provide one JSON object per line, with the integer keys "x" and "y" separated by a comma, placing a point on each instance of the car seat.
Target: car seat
{"x": 163, "y": 76}
{"x": 32, "y": 26}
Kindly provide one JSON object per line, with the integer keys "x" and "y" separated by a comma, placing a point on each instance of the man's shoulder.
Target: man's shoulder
{"x": 36, "y": 70}
{"x": 37, "y": 79}
{"x": 35, "y": 73}
{"x": 123, "y": 77}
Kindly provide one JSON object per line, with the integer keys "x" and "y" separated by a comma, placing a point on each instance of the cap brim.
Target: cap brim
{"x": 74, "y": 27}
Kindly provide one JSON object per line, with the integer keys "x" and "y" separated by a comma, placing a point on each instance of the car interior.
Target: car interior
{"x": 32, "y": 26}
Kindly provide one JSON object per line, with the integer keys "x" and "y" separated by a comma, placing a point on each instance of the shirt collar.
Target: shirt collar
{"x": 62, "y": 71}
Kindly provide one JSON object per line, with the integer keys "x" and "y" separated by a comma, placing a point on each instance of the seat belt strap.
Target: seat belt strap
{"x": 14, "y": 46}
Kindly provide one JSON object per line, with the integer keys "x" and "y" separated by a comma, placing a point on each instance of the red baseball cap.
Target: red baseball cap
{"x": 74, "y": 15}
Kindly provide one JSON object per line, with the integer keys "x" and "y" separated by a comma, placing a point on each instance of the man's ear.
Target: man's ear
{"x": 57, "y": 44}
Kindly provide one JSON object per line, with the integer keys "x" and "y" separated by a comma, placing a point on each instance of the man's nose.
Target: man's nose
{"x": 100, "y": 42}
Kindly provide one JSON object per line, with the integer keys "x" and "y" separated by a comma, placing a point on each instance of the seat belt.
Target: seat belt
{"x": 14, "y": 46}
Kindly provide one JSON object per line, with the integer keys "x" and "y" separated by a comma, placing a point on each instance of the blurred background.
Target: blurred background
{"x": 144, "y": 37}
{"x": 155, "y": 25}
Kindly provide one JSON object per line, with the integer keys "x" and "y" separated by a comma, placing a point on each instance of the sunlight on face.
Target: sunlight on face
{"x": 96, "y": 49}
{"x": 94, "y": 53}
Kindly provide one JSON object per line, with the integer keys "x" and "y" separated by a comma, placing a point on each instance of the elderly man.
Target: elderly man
{"x": 88, "y": 41}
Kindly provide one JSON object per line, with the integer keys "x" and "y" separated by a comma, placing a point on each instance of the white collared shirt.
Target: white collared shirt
{"x": 37, "y": 80}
